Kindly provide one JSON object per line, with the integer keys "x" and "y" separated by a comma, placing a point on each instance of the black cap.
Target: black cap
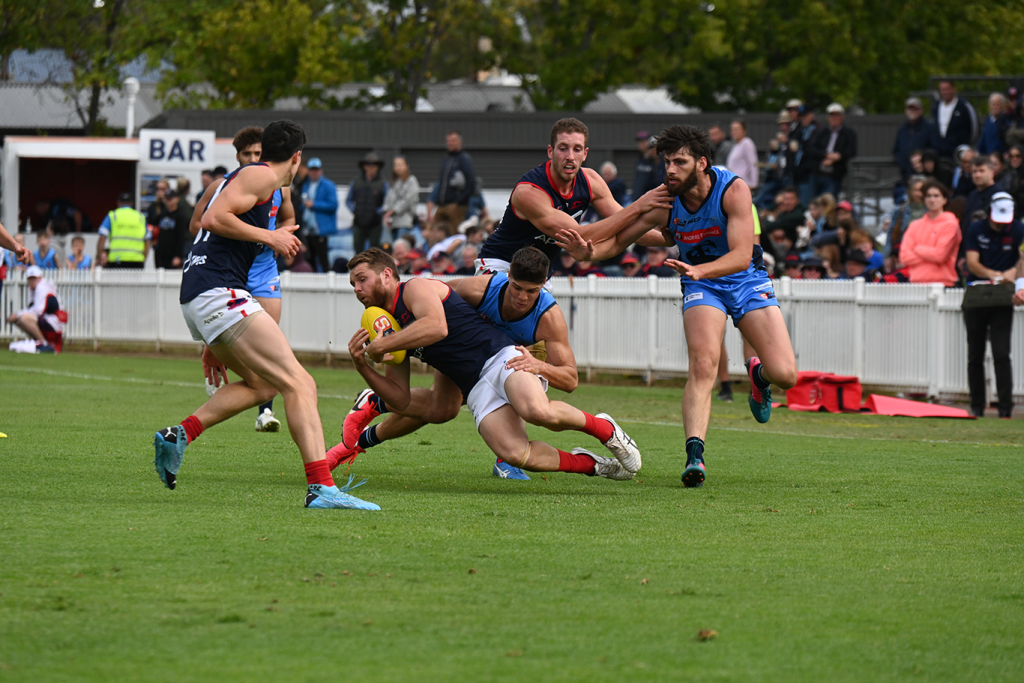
{"x": 125, "y": 197}
{"x": 857, "y": 256}
{"x": 793, "y": 260}
{"x": 170, "y": 194}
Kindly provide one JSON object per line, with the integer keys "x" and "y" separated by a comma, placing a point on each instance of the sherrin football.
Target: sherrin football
{"x": 379, "y": 322}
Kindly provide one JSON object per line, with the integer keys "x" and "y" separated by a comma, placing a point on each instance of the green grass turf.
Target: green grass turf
{"x": 822, "y": 548}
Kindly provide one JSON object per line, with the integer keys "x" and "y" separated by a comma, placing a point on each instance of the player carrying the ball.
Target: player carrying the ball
{"x": 439, "y": 327}
{"x": 516, "y": 303}
{"x": 711, "y": 222}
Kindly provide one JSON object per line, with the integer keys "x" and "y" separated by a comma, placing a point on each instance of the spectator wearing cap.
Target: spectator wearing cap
{"x": 129, "y": 236}
{"x": 792, "y": 110}
{"x": 916, "y": 133}
{"x": 441, "y": 264}
{"x": 963, "y": 184}
{"x": 813, "y": 269}
{"x": 993, "y": 254}
{"x": 630, "y": 265}
{"x": 173, "y": 239}
{"x": 418, "y": 263}
{"x": 366, "y": 202}
{"x": 401, "y": 199}
{"x": 793, "y": 266}
{"x": 856, "y": 266}
{"x": 930, "y": 244}
{"x": 456, "y": 184}
{"x": 43, "y": 320}
{"x": 649, "y": 171}
{"x": 320, "y": 211}
{"x": 993, "y": 134}
{"x": 742, "y": 159}
{"x": 956, "y": 122}
{"x": 831, "y": 150}
{"x": 777, "y": 174}
{"x": 656, "y": 263}
{"x": 804, "y": 165}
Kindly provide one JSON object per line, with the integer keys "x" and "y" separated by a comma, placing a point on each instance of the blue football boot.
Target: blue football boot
{"x": 170, "y": 445}
{"x": 321, "y": 497}
{"x": 503, "y": 470}
{"x": 693, "y": 475}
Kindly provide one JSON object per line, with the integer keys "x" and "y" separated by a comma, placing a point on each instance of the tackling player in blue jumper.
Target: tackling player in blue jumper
{"x": 264, "y": 280}
{"x": 517, "y": 304}
{"x": 712, "y": 223}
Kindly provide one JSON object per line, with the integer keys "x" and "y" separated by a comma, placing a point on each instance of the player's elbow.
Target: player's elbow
{"x": 570, "y": 383}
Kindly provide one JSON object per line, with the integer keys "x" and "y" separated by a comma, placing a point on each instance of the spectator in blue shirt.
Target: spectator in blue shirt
{"x": 78, "y": 259}
{"x": 915, "y": 134}
{"x": 320, "y": 203}
{"x": 46, "y": 257}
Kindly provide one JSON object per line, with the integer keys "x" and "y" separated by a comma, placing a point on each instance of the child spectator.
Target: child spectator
{"x": 79, "y": 260}
{"x": 860, "y": 240}
{"x": 44, "y": 256}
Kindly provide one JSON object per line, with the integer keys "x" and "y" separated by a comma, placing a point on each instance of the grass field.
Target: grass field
{"x": 822, "y": 548}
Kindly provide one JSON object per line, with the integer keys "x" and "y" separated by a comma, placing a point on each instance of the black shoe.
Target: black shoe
{"x": 724, "y": 395}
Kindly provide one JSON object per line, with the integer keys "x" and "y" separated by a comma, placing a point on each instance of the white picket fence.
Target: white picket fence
{"x": 900, "y": 337}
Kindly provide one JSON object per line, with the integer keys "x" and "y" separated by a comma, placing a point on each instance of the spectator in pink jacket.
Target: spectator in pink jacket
{"x": 743, "y": 156}
{"x": 930, "y": 245}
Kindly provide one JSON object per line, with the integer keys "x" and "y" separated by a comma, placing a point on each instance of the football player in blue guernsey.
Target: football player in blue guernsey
{"x": 439, "y": 327}
{"x": 554, "y": 196}
{"x": 712, "y": 223}
{"x": 264, "y": 280}
{"x": 518, "y": 305}
{"x": 222, "y": 313}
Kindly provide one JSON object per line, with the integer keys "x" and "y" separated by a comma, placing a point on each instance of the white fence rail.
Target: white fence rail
{"x": 902, "y": 337}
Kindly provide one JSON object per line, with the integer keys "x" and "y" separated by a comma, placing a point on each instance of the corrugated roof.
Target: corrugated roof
{"x": 47, "y": 107}
{"x": 52, "y": 66}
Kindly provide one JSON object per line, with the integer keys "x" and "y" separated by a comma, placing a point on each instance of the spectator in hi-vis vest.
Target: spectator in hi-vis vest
{"x": 125, "y": 238}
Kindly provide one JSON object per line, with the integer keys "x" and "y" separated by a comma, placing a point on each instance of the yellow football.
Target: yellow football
{"x": 379, "y": 322}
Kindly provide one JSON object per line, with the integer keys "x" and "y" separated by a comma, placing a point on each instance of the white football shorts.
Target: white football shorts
{"x": 488, "y": 394}
{"x": 217, "y": 310}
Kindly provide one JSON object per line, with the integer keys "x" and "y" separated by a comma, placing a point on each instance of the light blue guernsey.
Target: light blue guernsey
{"x": 523, "y": 330}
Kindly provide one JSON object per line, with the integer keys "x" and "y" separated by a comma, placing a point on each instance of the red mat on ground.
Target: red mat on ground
{"x": 886, "y": 405}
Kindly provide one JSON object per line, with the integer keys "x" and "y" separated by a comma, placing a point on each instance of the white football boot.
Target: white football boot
{"x": 609, "y": 468}
{"x": 622, "y": 446}
{"x": 266, "y": 422}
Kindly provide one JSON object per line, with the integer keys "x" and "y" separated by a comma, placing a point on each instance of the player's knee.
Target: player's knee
{"x": 784, "y": 377}
{"x": 703, "y": 367}
{"x": 442, "y": 412}
{"x": 513, "y": 453}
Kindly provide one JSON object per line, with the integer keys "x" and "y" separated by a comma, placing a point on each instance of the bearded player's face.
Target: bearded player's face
{"x": 567, "y": 155}
{"x": 681, "y": 171}
{"x": 369, "y": 287}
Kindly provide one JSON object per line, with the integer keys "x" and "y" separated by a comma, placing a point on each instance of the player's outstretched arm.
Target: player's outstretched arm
{"x": 393, "y": 386}
{"x": 615, "y": 217}
{"x": 736, "y": 203}
{"x": 646, "y": 230}
{"x": 424, "y": 299}
{"x": 560, "y": 368}
{"x": 534, "y": 205}
{"x": 7, "y": 242}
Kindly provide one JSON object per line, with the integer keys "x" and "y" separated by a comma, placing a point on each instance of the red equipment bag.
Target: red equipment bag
{"x": 824, "y": 391}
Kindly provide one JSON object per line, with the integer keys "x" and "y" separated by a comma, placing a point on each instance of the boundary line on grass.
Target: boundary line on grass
{"x": 197, "y": 385}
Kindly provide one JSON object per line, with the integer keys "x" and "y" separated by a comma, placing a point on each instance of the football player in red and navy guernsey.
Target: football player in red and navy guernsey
{"x": 712, "y": 223}
{"x": 556, "y": 195}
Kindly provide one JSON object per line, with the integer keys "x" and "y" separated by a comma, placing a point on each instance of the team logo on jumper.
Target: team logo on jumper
{"x": 698, "y": 235}
{"x": 693, "y": 297}
{"x": 273, "y": 211}
{"x": 767, "y": 295}
{"x": 382, "y": 326}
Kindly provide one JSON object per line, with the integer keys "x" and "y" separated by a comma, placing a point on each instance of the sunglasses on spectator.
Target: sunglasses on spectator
{"x": 1014, "y": 156}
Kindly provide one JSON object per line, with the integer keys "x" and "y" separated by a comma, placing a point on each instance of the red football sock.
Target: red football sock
{"x": 193, "y": 427}
{"x": 319, "y": 473}
{"x": 597, "y": 427}
{"x": 577, "y": 464}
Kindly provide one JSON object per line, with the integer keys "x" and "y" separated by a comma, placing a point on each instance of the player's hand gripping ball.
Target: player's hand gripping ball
{"x": 380, "y": 323}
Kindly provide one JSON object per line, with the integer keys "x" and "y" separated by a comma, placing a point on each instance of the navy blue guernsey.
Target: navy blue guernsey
{"x": 217, "y": 261}
{"x": 516, "y": 232}
{"x": 470, "y": 342}
{"x": 522, "y": 330}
